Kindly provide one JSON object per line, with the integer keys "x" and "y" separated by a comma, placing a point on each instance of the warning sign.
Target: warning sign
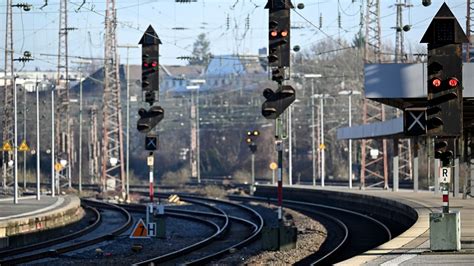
{"x": 23, "y": 146}
{"x": 58, "y": 167}
{"x": 140, "y": 230}
{"x": 273, "y": 166}
{"x": 444, "y": 174}
{"x": 7, "y": 147}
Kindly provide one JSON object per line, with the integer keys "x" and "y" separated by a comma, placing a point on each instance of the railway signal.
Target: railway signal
{"x": 149, "y": 119}
{"x": 445, "y": 38}
{"x": 279, "y": 32}
{"x": 251, "y": 135}
{"x": 150, "y": 64}
{"x": 277, "y": 101}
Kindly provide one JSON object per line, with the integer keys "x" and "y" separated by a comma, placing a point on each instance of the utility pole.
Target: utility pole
{"x": 127, "y": 131}
{"x": 403, "y": 146}
{"x": 373, "y": 111}
{"x": 24, "y": 137}
{"x": 94, "y": 146}
{"x": 112, "y": 155}
{"x": 38, "y": 146}
{"x": 80, "y": 121}
{"x": 8, "y": 134}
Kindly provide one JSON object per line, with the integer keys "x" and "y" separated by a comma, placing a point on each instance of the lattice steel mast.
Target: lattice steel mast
{"x": 469, "y": 28}
{"x": 373, "y": 111}
{"x": 112, "y": 155}
{"x": 8, "y": 109}
{"x": 62, "y": 131}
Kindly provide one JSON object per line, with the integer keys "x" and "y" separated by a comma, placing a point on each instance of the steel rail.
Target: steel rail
{"x": 74, "y": 246}
{"x": 309, "y": 208}
{"x": 36, "y": 246}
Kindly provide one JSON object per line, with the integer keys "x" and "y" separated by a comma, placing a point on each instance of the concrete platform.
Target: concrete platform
{"x": 412, "y": 246}
{"x": 31, "y": 215}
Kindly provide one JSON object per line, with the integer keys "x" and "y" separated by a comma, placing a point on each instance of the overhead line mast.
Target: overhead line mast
{"x": 373, "y": 165}
{"x": 113, "y": 173}
{"x": 62, "y": 137}
{"x": 8, "y": 110}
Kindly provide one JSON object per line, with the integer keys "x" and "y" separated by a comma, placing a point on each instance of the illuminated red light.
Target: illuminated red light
{"x": 453, "y": 82}
{"x": 145, "y": 64}
{"x": 436, "y": 82}
{"x": 284, "y": 33}
{"x": 273, "y": 33}
{"x": 154, "y": 64}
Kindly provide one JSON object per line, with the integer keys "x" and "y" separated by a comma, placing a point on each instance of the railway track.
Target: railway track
{"x": 234, "y": 231}
{"x": 97, "y": 232}
{"x": 349, "y": 233}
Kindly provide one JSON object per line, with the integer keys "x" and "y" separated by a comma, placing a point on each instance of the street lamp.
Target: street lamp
{"x": 313, "y": 134}
{"x": 350, "y": 93}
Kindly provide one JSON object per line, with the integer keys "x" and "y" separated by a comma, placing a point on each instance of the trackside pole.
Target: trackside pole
{"x": 279, "y": 148}
{"x": 150, "y": 162}
{"x": 446, "y": 198}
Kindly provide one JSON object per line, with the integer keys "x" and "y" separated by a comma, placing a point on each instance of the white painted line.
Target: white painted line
{"x": 11, "y": 199}
{"x": 398, "y": 260}
{"x": 59, "y": 201}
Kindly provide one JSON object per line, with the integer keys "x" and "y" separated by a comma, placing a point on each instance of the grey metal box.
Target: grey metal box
{"x": 445, "y": 231}
{"x": 270, "y": 238}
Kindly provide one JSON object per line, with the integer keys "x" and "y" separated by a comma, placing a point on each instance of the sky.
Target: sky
{"x": 232, "y": 26}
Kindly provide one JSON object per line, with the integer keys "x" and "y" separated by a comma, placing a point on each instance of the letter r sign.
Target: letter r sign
{"x": 444, "y": 174}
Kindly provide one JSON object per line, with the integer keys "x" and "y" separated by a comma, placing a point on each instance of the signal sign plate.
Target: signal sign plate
{"x": 414, "y": 121}
{"x": 444, "y": 174}
{"x": 140, "y": 230}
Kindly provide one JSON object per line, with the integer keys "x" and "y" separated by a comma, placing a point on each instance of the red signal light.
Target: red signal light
{"x": 145, "y": 64}
{"x": 453, "y": 82}
{"x": 284, "y": 33}
{"x": 154, "y": 64}
{"x": 436, "y": 83}
{"x": 273, "y": 33}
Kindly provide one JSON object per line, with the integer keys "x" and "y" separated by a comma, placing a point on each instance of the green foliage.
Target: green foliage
{"x": 201, "y": 52}
{"x": 358, "y": 41}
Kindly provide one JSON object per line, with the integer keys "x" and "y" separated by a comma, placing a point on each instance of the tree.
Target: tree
{"x": 358, "y": 40}
{"x": 201, "y": 54}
